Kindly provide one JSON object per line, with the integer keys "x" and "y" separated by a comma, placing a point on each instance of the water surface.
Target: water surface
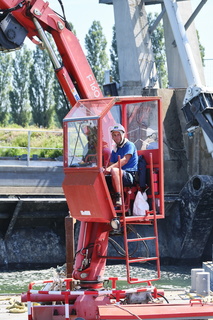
{"x": 172, "y": 277}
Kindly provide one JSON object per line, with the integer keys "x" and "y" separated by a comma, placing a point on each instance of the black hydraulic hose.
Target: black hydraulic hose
{"x": 65, "y": 20}
{"x": 116, "y": 246}
{"x": 90, "y": 245}
{"x": 139, "y": 236}
{"x": 161, "y": 295}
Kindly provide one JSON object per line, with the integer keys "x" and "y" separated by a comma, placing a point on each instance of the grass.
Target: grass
{"x": 14, "y": 142}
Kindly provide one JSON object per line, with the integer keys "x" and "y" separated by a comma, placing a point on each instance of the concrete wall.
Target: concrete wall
{"x": 32, "y": 216}
{"x": 19, "y": 180}
{"x": 136, "y": 61}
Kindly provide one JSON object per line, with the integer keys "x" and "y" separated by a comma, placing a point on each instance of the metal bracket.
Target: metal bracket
{"x": 199, "y": 110}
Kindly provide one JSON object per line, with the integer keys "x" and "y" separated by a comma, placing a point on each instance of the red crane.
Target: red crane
{"x": 87, "y": 145}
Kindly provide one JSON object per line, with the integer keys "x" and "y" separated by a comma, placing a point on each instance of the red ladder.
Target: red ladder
{"x": 149, "y": 219}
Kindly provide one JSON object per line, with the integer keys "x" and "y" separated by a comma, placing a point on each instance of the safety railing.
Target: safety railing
{"x": 67, "y": 295}
{"x": 28, "y": 147}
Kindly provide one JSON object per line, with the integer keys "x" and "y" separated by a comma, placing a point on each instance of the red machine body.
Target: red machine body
{"x": 86, "y": 138}
{"x": 87, "y": 147}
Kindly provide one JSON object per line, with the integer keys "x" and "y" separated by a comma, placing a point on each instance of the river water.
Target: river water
{"x": 171, "y": 277}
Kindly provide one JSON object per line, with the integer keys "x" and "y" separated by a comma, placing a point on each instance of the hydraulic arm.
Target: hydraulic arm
{"x": 32, "y": 19}
{"x": 198, "y": 101}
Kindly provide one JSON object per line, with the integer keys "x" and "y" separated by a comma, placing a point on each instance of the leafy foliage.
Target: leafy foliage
{"x": 202, "y": 49}
{"x": 30, "y": 93}
{"x": 17, "y": 140}
{"x": 5, "y": 86}
{"x": 19, "y": 96}
{"x": 95, "y": 44}
{"x": 158, "y": 46}
{"x": 62, "y": 104}
{"x": 40, "y": 90}
{"x": 114, "y": 72}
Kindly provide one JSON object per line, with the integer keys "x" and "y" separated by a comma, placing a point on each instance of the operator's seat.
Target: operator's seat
{"x": 140, "y": 184}
{"x": 106, "y": 153}
{"x": 143, "y": 180}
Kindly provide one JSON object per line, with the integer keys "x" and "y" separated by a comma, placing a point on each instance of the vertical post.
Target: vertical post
{"x": 28, "y": 149}
{"x": 29, "y": 306}
{"x": 154, "y": 215}
{"x": 69, "y": 229}
{"x": 67, "y": 305}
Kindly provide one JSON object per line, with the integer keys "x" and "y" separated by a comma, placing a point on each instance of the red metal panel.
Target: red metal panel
{"x": 70, "y": 251}
{"x": 155, "y": 311}
{"x": 47, "y": 312}
{"x": 92, "y": 198}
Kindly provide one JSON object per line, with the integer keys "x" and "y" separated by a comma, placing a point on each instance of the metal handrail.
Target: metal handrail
{"x": 29, "y": 147}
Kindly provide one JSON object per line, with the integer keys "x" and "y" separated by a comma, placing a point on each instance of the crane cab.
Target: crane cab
{"x": 88, "y": 145}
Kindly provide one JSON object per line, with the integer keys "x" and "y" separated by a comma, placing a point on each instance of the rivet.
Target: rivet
{"x": 37, "y": 12}
{"x": 60, "y": 25}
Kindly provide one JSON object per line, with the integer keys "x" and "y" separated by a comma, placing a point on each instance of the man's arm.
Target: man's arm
{"x": 123, "y": 161}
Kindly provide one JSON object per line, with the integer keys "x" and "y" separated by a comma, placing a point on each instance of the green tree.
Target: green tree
{"x": 202, "y": 49}
{"x": 62, "y": 104}
{"x": 95, "y": 44}
{"x": 114, "y": 72}
{"x": 19, "y": 95}
{"x": 41, "y": 88}
{"x": 158, "y": 46}
{"x": 5, "y": 86}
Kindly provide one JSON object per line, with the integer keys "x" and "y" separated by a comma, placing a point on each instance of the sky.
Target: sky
{"x": 83, "y": 12}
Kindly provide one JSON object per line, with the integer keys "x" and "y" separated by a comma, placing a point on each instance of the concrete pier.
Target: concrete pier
{"x": 32, "y": 213}
{"x": 208, "y": 267}
{"x": 39, "y": 178}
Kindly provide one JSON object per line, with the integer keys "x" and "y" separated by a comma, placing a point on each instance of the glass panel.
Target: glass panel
{"x": 88, "y": 109}
{"x": 82, "y": 143}
{"x": 112, "y": 117}
{"x": 143, "y": 124}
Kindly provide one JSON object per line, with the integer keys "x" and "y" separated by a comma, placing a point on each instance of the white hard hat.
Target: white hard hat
{"x": 149, "y": 132}
{"x": 117, "y": 127}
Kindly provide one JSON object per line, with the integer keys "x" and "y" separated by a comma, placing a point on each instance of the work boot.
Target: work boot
{"x": 118, "y": 200}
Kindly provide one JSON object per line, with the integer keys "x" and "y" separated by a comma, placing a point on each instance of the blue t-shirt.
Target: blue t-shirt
{"x": 128, "y": 148}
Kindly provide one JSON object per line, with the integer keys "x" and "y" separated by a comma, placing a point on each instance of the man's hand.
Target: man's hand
{"x": 123, "y": 161}
{"x": 108, "y": 170}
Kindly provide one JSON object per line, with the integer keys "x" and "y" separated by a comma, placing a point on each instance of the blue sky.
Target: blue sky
{"x": 204, "y": 25}
{"x": 83, "y": 12}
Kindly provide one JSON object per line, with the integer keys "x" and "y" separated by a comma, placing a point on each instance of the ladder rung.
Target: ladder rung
{"x": 137, "y": 219}
{"x": 141, "y": 239}
{"x": 132, "y": 260}
{"x": 132, "y": 280}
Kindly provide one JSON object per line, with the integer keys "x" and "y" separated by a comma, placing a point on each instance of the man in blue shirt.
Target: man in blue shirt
{"x": 129, "y": 161}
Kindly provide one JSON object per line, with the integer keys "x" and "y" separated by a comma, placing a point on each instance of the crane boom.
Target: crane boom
{"x": 89, "y": 194}
{"x": 34, "y": 18}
